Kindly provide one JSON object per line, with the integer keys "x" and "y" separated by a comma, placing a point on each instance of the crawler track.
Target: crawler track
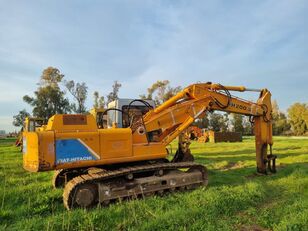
{"x": 103, "y": 187}
{"x": 62, "y": 176}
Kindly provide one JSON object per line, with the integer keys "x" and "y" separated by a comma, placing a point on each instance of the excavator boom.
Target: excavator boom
{"x": 175, "y": 115}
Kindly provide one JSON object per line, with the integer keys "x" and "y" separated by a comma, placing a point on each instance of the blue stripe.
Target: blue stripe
{"x": 72, "y": 150}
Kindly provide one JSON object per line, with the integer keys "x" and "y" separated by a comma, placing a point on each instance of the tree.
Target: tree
{"x": 51, "y": 77}
{"x": 275, "y": 108}
{"x": 96, "y": 98}
{"x": 163, "y": 92}
{"x": 237, "y": 123}
{"x": 79, "y": 91}
{"x": 114, "y": 94}
{"x": 280, "y": 123}
{"x": 20, "y": 118}
{"x": 247, "y": 126}
{"x": 99, "y": 101}
{"x": 225, "y": 123}
{"x": 218, "y": 122}
{"x": 48, "y": 98}
{"x": 297, "y": 114}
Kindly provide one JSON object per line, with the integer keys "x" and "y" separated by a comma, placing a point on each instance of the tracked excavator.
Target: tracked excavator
{"x": 99, "y": 164}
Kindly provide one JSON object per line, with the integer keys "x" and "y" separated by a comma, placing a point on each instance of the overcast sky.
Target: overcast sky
{"x": 253, "y": 43}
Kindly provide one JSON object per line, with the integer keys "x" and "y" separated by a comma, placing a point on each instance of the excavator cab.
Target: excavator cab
{"x": 124, "y": 112}
{"x": 121, "y": 113}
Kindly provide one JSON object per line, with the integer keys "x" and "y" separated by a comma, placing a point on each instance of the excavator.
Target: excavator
{"x": 98, "y": 164}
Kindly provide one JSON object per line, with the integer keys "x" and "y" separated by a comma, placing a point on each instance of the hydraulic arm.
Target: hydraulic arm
{"x": 176, "y": 114}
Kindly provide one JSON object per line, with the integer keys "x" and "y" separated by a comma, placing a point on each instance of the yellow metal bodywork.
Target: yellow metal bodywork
{"x": 31, "y": 151}
{"x": 109, "y": 146}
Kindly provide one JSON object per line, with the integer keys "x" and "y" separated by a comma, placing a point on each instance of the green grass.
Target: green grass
{"x": 235, "y": 199}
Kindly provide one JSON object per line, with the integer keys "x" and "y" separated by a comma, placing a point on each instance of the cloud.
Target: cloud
{"x": 253, "y": 43}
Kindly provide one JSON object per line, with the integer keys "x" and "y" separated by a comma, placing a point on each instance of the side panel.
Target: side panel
{"x": 150, "y": 151}
{"x": 30, "y": 151}
{"x": 74, "y": 149}
{"x": 115, "y": 143}
{"x": 46, "y": 150}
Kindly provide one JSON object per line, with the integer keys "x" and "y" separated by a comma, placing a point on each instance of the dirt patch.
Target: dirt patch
{"x": 231, "y": 165}
{"x": 254, "y": 175}
{"x": 251, "y": 228}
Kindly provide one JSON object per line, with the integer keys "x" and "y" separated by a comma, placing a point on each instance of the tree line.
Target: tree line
{"x": 50, "y": 98}
{"x": 295, "y": 122}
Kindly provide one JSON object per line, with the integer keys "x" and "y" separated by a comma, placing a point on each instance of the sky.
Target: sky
{"x": 257, "y": 43}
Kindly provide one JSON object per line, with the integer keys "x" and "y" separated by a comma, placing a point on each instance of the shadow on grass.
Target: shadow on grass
{"x": 226, "y": 152}
{"x": 281, "y": 154}
{"x": 287, "y": 148}
{"x": 245, "y": 174}
{"x": 206, "y": 160}
{"x": 247, "y": 154}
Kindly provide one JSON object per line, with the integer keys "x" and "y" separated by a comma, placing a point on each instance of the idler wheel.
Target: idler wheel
{"x": 85, "y": 196}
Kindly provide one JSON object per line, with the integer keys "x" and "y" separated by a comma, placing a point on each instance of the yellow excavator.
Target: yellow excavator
{"x": 126, "y": 156}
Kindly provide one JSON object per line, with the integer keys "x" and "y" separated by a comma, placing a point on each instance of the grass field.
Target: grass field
{"x": 235, "y": 198}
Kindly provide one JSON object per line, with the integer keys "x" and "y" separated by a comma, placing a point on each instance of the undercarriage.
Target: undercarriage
{"x": 102, "y": 187}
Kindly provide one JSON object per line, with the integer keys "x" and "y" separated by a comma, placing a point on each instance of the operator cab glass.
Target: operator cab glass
{"x": 133, "y": 114}
{"x": 111, "y": 118}
{"x": 32, "y": 123}
{"x": 101, "y": 119}
{"x": 124, "y": 114}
